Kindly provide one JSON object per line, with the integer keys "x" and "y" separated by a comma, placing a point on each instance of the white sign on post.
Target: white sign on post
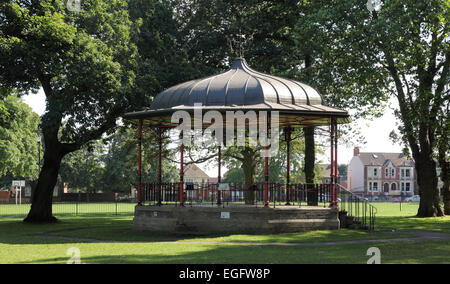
{"x": 18, "y": 184}
{"x": 19, "y": 194}
{"x": 224, "y": 186}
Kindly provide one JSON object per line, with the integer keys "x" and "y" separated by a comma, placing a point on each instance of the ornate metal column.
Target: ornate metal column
{"x": 332, "y": 163}
{"x": 219, "y": 157}
{"x": 160, "y": 167}
{"x": 140, "y": 164}
{"x": 288, "y": 165}
{"x": 181, "y": 175}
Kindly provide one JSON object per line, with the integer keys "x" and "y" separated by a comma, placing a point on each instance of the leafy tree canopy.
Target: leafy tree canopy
{"x": 18, "y": 139}
{"x": 401, "y": 51}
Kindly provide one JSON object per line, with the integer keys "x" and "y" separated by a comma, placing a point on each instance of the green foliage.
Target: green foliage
{"x": 163, "y": 61}
{"x": 235, "y": 175}
{"x": 111, "y": 164}
{"x": 83, "y": 169}
{"x": 366, "y": 58}
{"x": 18, "y": 136}
{"x": 121, "y": 158}
{"x": 342, "y": 168}
{"x": 84, "y": 61}
{"x": 87, "y": 64}
{"x": 344, "y": 77}
{"x": 403, "y": 52}
{"x": 257, "y": 30}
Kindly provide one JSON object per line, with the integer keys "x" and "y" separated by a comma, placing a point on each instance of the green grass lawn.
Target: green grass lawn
{"x": 19, "y": 243}
{"x": 390, "y": 217}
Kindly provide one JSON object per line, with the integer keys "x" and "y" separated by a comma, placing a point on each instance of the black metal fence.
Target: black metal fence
{"x": 355, "y": 211}
{"x": 77, "y": 208}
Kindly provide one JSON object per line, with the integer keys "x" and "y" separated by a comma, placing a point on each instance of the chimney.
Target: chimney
{"x": 356, "y": 151}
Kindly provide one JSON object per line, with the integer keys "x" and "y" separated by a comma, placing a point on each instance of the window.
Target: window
{"x": 374, "y": 172}
{"x": 370, "y": 186}
{"x": 407, "y": 186}
{"x": 375, "y": 186}
{"x": 407, "y": 173}
{"x": 394, "y": 187}
{"x": 386, "y": 188}
{"x": 403, "y": 172}
{"x": 386, "y": 172}
{"x": 393, "y": 173}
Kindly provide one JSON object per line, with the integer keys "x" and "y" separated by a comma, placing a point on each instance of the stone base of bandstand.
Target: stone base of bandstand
{"x": 234, "y": 219}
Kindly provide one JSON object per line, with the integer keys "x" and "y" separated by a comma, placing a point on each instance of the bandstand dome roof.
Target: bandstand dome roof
{"x": 242, "y": 88}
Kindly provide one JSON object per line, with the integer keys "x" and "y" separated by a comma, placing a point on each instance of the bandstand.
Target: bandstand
{"x": 204, "y": 208}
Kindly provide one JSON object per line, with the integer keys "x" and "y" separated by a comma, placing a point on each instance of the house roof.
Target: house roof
{"x": 193, "y": 171}
{"x": 213, "y": 180}
{"x": 325, "y": 170}
{"x": 382, "y": 159}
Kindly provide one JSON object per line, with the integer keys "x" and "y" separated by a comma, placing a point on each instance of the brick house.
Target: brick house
{"x": 193, "y": 174}
{"x": 381, "y": 174}
{"x": 325, "y": 172}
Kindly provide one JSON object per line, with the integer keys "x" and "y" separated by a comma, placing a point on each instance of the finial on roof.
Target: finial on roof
{"x": 238, "y": 43}
{"x": 238, "y": 63}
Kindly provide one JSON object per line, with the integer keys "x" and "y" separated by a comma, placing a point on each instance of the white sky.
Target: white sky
{"x": 376, "y": 133}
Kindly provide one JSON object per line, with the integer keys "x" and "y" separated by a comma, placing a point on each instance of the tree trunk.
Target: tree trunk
{"x": 444, "y": 164}
{"x": 310, "y": 155}
{"x": 445, "y": 177}
{"x": 41, "y": 207}
{"x": 427, "y": 181}
{"x": 310, "y": 160}
{"x": 446, "y": 195}
{"x": 248, "y": 165}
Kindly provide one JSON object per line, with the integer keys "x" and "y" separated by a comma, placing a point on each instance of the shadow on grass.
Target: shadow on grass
{"x": 409, "y": 252}
{"x": 217, "y": 254}
{"x": 107, "y": 228}
{"x": 410, "y": 223}
{"x": 119, "y": 229}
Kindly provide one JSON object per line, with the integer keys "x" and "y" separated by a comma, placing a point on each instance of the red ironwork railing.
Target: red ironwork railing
{"x": 255, "y": 194}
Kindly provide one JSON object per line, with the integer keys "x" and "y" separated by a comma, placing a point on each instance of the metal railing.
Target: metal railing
{"x": 209, "y": 194}
{"x": 73, "y": 208}
{"x": 355, "y": 211}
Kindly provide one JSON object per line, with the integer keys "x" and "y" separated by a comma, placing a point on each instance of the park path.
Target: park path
{"x": 420, "y": 236}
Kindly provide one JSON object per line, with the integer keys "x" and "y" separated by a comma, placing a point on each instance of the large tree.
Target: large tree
{"x": 18, "y": 139}
{"x": 401, "y": 51}
{"x": 84, "y": 61}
